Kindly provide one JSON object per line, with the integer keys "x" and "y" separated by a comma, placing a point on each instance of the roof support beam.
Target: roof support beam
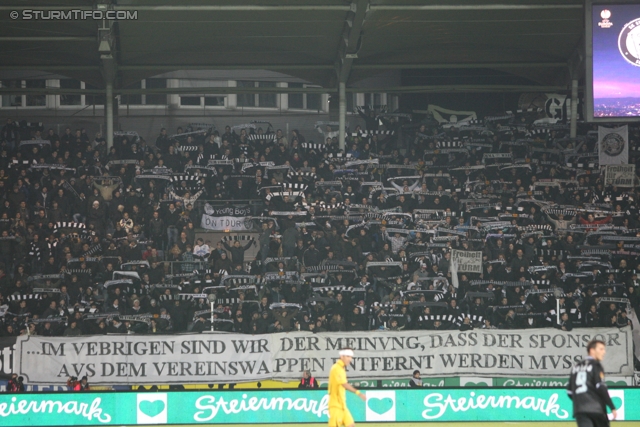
{"x": 49, "y": 91}
{"x": 394, "y": 89}
{"x": 108, "y": 50}
{"x": 351, "y": 38}
{"x": 48, "y": 39}
{"x": 460, "y": 89}
{"x": 43, "y": 7}
{"x": 108, "y": 109}
{"x": 234, "y": 8}
{"x": 312, "y": 8}
{"x": 460, "y": 66}
{"x": 288, "y": 67}
{"x": 458, "y": 7}
{"x": 226, "y": 67}
{"x": 224, "y": 90}
{"x": 109, "y": 71}
{"x": 166, "y": 91}
{"x": 573, "y": 129}
{"x": 342, "y": 114}
{"x": 576, "y": 62}
{"x": 44, "y": 67}
{"x": 196, "y": 8}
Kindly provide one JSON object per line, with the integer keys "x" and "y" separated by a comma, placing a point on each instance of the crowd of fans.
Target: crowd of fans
{"x": 351, "y": 240}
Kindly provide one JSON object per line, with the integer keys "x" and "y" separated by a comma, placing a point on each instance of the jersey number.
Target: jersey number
{"x": 581, "y": 382}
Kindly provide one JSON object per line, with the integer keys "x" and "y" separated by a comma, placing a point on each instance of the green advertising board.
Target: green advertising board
{"x": 472, "y": 382}
{"x": 294, "y": 406}
{"x": 404, "y": 383}
{"x": 546, "y": 382}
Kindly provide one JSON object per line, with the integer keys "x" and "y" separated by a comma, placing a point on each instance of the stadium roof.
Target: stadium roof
{"x": 470, "y": 43}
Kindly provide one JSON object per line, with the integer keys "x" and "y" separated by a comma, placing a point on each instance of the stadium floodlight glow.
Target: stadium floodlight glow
{"x": 105, "y": 41}
{"x": 612, "y": 45}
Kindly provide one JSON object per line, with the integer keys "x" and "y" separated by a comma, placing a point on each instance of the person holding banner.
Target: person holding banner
{"x": 339, "y": 415}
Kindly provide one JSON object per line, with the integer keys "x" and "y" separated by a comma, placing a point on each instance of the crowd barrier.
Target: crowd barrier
{"x": 296, "y": 406}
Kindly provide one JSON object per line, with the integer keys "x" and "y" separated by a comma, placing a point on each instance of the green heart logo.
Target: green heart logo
{"x": 478, "y": 384}
{"x": 380, "y": 406}
{"x": 617, "y": 402}
{"x": 151, "y": 409}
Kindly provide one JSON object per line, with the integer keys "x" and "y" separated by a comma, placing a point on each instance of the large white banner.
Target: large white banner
{"x": 220, "y": 357}
{"x": 620, "y": 175}
{"x": 468, "y": 261}
{"x": 226, "y": 223}
{"x": 226, "y": 218}
{"x": 613, "y": 145}
{"x": 159, "y": 359}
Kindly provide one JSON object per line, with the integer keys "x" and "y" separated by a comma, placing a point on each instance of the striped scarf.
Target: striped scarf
{"x": 294, "y": 186}
{"x": 313, "y": 146}
{"x": 308, "y": 175}
{"x": 93, "y": 250}
{"x": 79, "y": 271}
{"x": 292, "y": 194}
{"x": 29, "y": 297}
{"x": 264, "y": 137}
{"x": 187, "y": 148}
{"x": 564, "y": 212}
{"x": 242, "y": 238}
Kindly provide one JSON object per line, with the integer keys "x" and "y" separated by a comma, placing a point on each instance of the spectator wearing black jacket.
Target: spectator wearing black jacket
{"x": 308, "y": 381}
{"x": 415, "y": 381}
{"x": 237, "y": 250}
{"x": 156, "y": 229}
{"x": 565, "y": 324}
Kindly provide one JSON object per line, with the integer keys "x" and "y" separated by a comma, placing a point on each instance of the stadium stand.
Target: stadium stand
{"x": 348, "y": 241}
